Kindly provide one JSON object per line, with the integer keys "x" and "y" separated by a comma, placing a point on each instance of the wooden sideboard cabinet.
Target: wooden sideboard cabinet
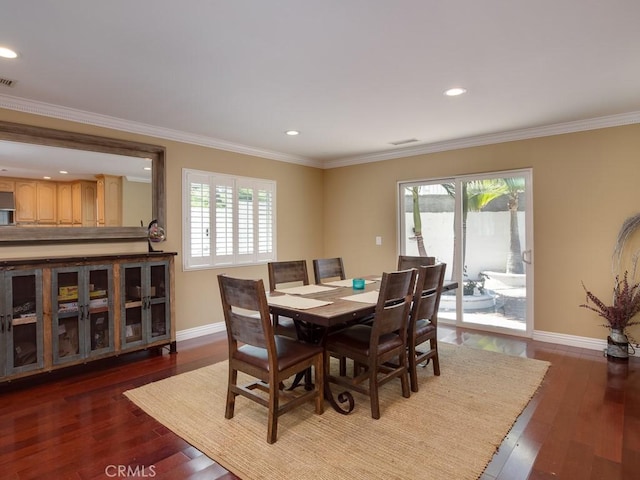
{"x": 59, "y": 312}
{"x": 21, "y": 322}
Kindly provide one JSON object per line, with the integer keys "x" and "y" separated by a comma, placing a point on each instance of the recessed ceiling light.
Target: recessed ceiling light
{"x": 64, "y": 172}
{"x": 292, "y": 132}
{"x": 454, "y": 92}
{"x": 7, "y": 53}
{"x": 47, "y": 178}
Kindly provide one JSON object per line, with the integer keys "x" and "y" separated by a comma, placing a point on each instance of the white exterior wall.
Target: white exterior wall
{"x": 487, "y": 234}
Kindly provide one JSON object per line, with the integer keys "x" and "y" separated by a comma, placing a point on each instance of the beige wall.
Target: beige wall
{"x": 299, "y": 213}
{"x": 584, "y": 186}
{"x": 136, "y": 203}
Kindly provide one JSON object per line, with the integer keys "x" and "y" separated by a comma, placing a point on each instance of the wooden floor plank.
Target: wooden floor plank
{"x": 584, "y": 421}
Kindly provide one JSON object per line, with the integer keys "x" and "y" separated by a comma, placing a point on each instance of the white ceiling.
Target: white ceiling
{"x": 351, "y": 75}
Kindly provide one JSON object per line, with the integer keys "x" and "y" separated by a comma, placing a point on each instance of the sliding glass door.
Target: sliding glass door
{"x": 481, "y": 227}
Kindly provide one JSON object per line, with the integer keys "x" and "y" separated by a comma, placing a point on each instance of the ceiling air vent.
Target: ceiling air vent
{"x": 404, "y": 142}
{"x": 5, "y": 82}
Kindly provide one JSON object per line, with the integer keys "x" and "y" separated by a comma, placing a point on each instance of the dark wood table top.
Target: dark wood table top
{"x": 339, "y": 311}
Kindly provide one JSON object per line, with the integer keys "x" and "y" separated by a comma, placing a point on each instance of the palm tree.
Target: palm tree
{"x": 417, "y": 221}
{"x": 514, "y": 186}
{"x": 476, "y": 194}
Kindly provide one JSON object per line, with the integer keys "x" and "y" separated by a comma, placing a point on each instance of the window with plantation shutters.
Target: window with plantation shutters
{"x": 228, "y": 220}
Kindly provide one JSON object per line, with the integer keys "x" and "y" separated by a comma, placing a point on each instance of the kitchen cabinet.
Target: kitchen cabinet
{"x": 46, "y": 201}
{"x": 26, "y": 202}
{"x": 65, "y": 205}
{"x": 109, "y": 200}
{"x": 36, "y": 202}
{"x": 84, "y": 195}
{"x": 7, "y": 185}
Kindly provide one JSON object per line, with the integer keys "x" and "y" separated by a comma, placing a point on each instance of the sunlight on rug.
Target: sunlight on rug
{"x": 449, "y": 429}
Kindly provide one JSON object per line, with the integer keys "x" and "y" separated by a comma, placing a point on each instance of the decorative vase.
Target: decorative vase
{"x": 617, "y": 345}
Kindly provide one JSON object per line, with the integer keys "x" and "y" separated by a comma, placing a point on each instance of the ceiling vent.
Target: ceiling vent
{"x": 404, "y": 142}
{"x": 5, "y": 82}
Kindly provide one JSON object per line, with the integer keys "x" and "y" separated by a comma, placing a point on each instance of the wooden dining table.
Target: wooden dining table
{"x": 319, "y": 309}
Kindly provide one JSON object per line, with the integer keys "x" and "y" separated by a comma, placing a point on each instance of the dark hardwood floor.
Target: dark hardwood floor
{"x": 583, "y": 423}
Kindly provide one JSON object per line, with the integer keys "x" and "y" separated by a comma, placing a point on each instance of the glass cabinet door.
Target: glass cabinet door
{"x": 99, "y": 317}
{"x": 82, "y": 312}
{"x": 67, "y": 313}
{"x": 159, "y": 301}
{"x": 132, "y": 291}
{"x": 146, "y": 312}
{"x": 21, "y": 321}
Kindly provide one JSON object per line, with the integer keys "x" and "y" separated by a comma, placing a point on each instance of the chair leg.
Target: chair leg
{"x": 272, "y": 429}
{"x": 343, "y": 366}
{"x": 436, "y": 358}
{"x": 373, "y": 392}
{"x": 413, "y": 369}
{"x": 327, "y": 365}
{"x": 319, "y": 386}
{"x": 231, "y": 396}
{"x": 308, "y": 381}
{"x": 404, "y": 377}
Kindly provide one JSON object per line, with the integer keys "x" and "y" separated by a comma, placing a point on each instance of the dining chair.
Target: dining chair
{"x": 328, "y": 269}
{"x": 405, "y": 261}
{"x": 291, "y": 273}
{"x": 331, "y": 269}
{"x": 423, "y": 320}
{"x": 372, "y": 346}
{"x": 254, "y": 349}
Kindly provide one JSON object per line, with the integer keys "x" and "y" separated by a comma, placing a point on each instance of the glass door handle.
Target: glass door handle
{"x": 526, "y": 257}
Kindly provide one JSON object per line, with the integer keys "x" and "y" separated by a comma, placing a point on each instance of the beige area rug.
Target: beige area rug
{"x": 449, "y": 429}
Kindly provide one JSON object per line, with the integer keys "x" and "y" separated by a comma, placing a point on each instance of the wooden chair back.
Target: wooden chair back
{"x": 375, "y": 347}
{"x": 250, "y": 336}
{"x": 405, "y": 261}
{"x": 328, "y": 268}
{"x": 394, "y": 303}
{"x": 426, "y": 299}
{"x": 423, "y": 321}
{"x": 292, "y": 271}
{"x": 246, "y": 313}
{"x": 282, "y": 273}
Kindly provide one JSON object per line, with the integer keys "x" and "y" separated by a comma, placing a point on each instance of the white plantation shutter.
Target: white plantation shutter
{"x": 266, "y": 223}
{"x": 228, "y": 220}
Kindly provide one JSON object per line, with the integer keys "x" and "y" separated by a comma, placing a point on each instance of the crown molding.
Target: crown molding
{"x": 89, "y": 118}
{"x": 489, "y": 139}
{"x": 80, "y": 116}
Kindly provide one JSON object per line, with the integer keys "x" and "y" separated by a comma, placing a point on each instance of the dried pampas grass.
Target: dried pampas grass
{"x": 629, "y": 227}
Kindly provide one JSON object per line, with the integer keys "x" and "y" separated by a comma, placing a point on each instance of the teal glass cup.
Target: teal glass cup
{"x": 358, "y": 283}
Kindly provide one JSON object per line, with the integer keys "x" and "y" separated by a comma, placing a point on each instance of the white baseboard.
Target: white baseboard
{"x": 200, "y": 331}
{"x": 549, "y": 337}
{"x": 575, "y": 341}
